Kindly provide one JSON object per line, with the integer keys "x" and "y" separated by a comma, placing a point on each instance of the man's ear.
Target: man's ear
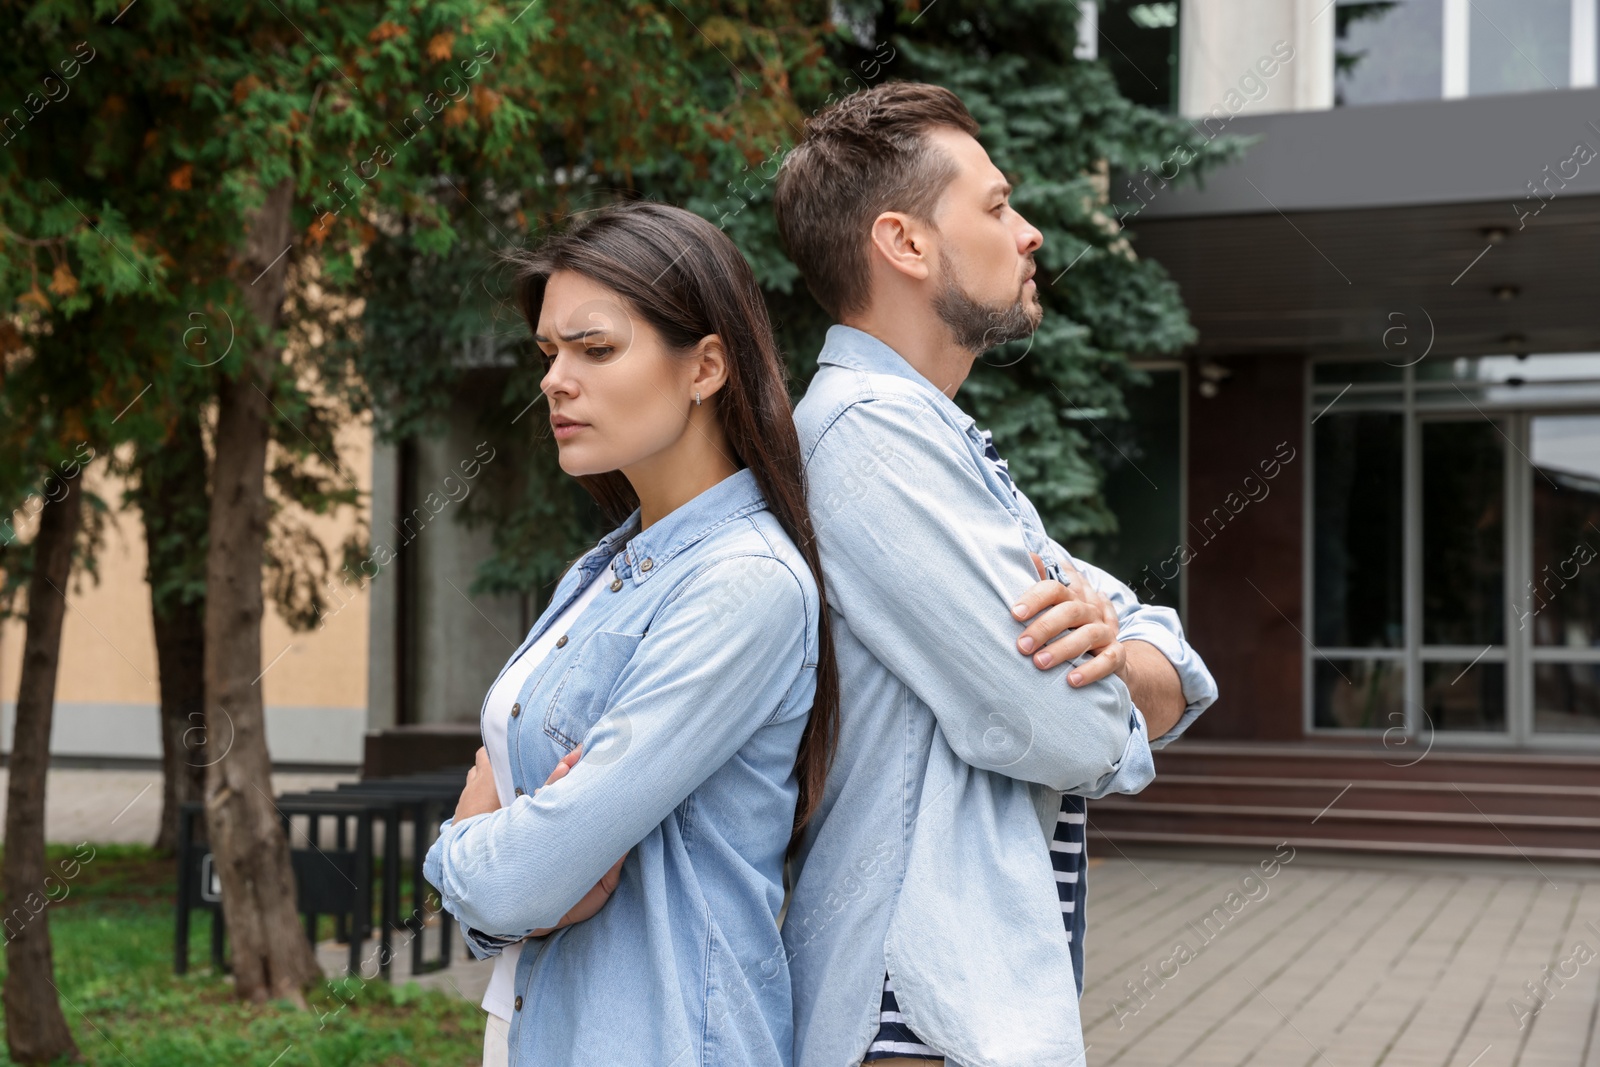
{"x": 903, "y": 243}
{"x": 711, "y": 367}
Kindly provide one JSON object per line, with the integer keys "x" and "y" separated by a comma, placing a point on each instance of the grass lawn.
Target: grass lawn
{"x": 112, "y": 937}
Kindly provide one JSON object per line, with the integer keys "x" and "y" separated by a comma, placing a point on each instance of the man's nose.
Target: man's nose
{"x": 1029, "y": 239}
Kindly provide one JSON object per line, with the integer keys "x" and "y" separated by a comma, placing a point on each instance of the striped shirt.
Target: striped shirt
{"x": 1068, "y": 858}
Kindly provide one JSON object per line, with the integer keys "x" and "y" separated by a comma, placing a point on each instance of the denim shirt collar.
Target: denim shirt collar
{"x": 644, "y": 552}
{"x": 846, "y": 346}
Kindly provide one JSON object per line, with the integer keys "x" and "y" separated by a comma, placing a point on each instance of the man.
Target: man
{"x": 937, "y": 909}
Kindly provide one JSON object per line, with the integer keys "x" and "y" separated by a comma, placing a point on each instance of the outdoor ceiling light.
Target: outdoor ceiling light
{"x": 1211, "y": 375}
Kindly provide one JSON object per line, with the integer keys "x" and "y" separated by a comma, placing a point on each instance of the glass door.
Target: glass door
{"x": 1462, "y": 566}
{"x": 1453, "y": 550}
{"x": 1556, "y": 610}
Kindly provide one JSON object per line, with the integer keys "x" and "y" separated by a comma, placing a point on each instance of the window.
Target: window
{"x": 1559, "y": 605}
{"x": 1388, "y": 52}
{"x": 1398, "y": 50}
{"x": 1454, "y": 548}
{"x": 1518, "y": 46}
{"x": 1139, "y": 43}
{"x": 1357, "y": 494}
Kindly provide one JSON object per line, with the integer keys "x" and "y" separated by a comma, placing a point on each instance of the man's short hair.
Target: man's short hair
{"x": 864, "y": 155}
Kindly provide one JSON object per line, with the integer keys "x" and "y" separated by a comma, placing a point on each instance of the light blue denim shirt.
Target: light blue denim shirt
{"x": 929, "y": 856}
{"x": 688, "y": 680}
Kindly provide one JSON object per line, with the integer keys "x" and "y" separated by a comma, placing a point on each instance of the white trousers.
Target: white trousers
{"x": 496, "y": 1043}
{"x": 497, "y": 1052}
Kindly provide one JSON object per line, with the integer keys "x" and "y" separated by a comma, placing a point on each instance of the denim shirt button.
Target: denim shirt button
{"x": 647, "y": 564}
{"x": 561, "y": 641}
{"x": 519, "y": 790}
{"x": 616, "y": 585}
{"x": 516, "y": 709}
{"x": 517, "y": 1004}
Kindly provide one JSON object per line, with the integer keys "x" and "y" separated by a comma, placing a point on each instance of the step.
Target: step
{"x": 1129, "y": 819}
{"x": 1412, "y": 762}
{"x": 1104, "y": 844}
{"x": 1490, "y": 798}
{"x": 1364, "y": 795}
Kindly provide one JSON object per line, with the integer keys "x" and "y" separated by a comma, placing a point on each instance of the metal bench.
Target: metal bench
{"x": 340, "y": 881}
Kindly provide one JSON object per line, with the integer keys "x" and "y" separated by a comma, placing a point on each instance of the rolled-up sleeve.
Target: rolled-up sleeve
{"x": 1160, "y": 627}
{"x": 483, "y": 946}
{"x": 733, "y": 648}
{"x": 1134, "y": 771}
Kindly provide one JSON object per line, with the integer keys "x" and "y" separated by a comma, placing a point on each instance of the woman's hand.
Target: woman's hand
{"x": 595, "y": 898}
{"x": 479, "y": 797}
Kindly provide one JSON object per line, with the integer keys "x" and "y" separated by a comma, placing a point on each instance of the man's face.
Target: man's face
{"x": 986, "y": 292}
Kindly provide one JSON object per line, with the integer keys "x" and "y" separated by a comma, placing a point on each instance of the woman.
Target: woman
{"x": 683, "y": 654}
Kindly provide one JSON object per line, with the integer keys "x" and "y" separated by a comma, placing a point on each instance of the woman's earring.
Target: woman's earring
{"x": 697, "y": 398}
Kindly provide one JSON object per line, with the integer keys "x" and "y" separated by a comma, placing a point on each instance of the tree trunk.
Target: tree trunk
{"x": 271, "y": 957}
{"x": 180, "y": 658}
{"x": 36, "y": 1031}
{"x": 176, "y": 507}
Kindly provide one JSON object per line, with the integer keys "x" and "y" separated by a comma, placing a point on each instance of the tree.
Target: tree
{"x": 206, "y": 143}
{"x": 36, "y": 1031}
{"x": 1056, "y": 125}
{"x": 250, "y": 849}
{"x": 54, "y": 420}
{"x": 174, "y": 503}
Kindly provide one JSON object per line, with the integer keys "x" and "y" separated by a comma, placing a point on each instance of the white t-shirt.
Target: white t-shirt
{"x": 497, "y": 1000}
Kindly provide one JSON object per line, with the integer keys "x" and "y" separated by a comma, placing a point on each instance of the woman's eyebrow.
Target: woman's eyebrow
{"x": 577, "y": 336}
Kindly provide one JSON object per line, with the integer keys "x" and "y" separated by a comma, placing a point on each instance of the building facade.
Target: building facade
{"x": 1386, "y": 539}
{"x": 107, "y": 710}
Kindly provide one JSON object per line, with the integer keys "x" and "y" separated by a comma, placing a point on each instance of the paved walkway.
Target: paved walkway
{"x": 1340, "y": 961}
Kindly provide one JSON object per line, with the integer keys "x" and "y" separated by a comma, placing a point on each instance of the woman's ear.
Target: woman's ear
{"x": 711, "y": 367}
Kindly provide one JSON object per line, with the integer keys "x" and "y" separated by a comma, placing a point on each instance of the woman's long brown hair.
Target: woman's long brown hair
{"x": 688, "y": 280}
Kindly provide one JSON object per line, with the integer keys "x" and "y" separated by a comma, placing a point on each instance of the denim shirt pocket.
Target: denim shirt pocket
{"x": 581, "y": 695}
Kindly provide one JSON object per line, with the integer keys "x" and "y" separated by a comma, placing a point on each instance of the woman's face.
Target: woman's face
{"x": 618, "y": 395}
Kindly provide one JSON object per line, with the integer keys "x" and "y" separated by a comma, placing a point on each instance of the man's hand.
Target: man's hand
{"x": 1077, "y": 610}
{"x": 1152, "y": 681}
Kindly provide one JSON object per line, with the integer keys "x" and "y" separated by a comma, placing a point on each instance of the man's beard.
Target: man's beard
{"x": 979, "y": 327}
